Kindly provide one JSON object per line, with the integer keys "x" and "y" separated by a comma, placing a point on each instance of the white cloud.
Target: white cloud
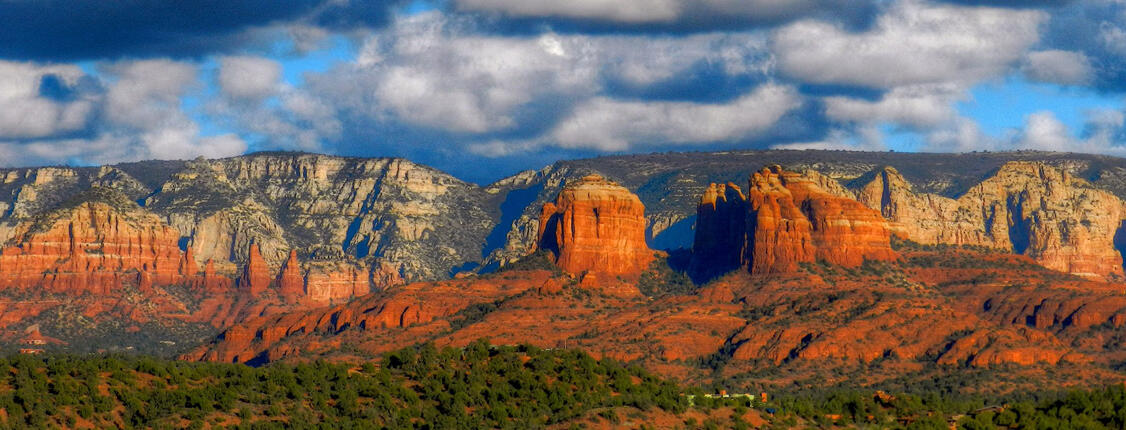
{"x": 146, "y": 94}
{"x": 918, "y": 106}
{"x": 25, "y": 113}
{"x": 432, "y": 71}
{"x": 611, "y": 125}
{"x": 912, "y": 43}
{"x": 141, "y": 118}
{"x": 1059, "y": 67}
{"x": 249, "y": 78}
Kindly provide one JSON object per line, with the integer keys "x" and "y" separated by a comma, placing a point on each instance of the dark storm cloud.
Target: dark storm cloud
{"x": 65, "y": 30}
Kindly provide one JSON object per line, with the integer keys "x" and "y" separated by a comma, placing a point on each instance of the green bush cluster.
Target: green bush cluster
{"x": 480, "y": 386}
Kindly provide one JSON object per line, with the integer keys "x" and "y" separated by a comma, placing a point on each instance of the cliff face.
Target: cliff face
{"x": 89, "y": 248}
{"x": 596, "y": 226}
{"x": 1029, "y": 208}
{"x": 792, "y": 220}
{"x": 786, "y": 219}
{"x": 291, "y": 283}
{"x": 333, "y": 208}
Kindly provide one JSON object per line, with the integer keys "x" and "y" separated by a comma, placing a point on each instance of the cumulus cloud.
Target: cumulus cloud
{"x": 139, "y": 115}
{"x": 249, "y": 78}
{"x": 610, "y": 125}
{"x": 1041, "y": 131}
{"x": 1058, "y": 67}
{"x": 912, "y": 43}
{"x": 431, "y": 71}
{"x": 918, "y": 106}
{"x": 41, "y": 101}
{"x": 1102, "y": 134}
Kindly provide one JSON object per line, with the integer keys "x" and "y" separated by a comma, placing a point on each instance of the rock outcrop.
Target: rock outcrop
{"x": 211, "y": 282}
{"x": 334, "y": 282}
{"x": 1028, "y": 208}
{"x": 596, "y": 225}
{"x": 255, "y": 278}
{"x": 89, "y": 248}
{"x": 291, "y": 284}
{"x": 788, "y": 220}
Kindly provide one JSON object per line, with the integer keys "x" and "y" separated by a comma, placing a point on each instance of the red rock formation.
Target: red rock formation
{"x": 188, "y": 266}
{"x": 791, "y": 220}
{"x": 256, "y": 275}
{"x": 598, "y": 226}
{"x": 87, "y": 248}
{"x": 291, "y": 284}
{"x": 329, "y": 282}
{"x": 386, "y": 275}
{"x": 721, "y": 226}
{"x": 212, "y": 282}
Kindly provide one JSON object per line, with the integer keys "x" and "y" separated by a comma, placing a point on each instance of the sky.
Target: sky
{"x": 484, "y": 89}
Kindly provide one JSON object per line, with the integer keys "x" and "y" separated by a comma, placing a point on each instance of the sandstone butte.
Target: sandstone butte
{"x": 785, "y": 220}
{"x": 1028, "y": 208}
{"x": 97, "y": 248}
{"x": 596, "y": 226}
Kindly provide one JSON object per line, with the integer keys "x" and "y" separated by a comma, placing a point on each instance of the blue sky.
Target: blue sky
{"x": 486, "y": 88}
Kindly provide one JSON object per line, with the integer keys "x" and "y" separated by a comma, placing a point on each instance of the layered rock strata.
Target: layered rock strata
{"x": 1028, "y": 208}
{"x": 785, "y": 220}
{"x": 598, "y": 226}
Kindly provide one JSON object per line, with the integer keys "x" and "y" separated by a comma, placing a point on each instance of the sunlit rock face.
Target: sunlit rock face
{"x": 596, "y": 225}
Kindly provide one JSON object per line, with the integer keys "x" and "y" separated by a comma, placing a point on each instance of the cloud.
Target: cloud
{"x": 138, "y": 110}
{"x": 39, "y": 101}
{"x": 1058, "y": 67}
{"x": 1102, "y": 133}
{"x": 432, "y": 71}
{"x": 917, "y": 106}
{"x": 610, "y": 125}
{"x": 912, "y": 43}
{"x": 249, "y": 78}
{"x": 1044, "y": 132}
{"x": 1095, "y": 29}
{"x": 68, "y": 30}
{"x": 666, "y": 15}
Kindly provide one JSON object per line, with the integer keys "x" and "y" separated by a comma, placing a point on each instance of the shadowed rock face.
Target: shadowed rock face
{"x": 596, "y": 226}
{"x": 721, "y": 226}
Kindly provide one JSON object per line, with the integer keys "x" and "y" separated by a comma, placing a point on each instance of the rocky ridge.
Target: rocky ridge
{"x": 329, "y": 229}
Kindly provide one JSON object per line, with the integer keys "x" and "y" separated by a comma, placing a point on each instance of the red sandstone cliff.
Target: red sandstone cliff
{"x": 596, "y": 225}
{"x": 787, "y": 219}
{"x": 89, "y": 248}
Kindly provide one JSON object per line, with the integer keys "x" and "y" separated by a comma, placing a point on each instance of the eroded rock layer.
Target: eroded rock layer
{"x": 90, "y": 248}
{"x": 596, "y": 225}
{"x": 788, "y": 219}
